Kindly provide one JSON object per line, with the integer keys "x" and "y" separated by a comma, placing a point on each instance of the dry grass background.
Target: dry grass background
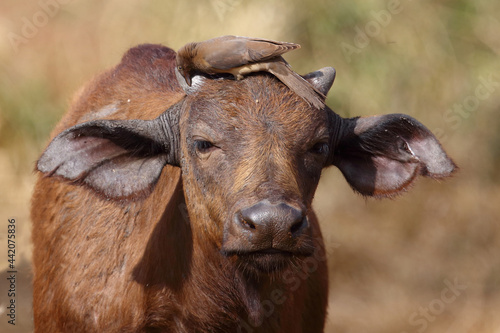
{"x": 390, "y": 260}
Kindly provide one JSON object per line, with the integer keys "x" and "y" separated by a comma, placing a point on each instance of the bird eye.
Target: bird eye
{"x": 179, "y": 68}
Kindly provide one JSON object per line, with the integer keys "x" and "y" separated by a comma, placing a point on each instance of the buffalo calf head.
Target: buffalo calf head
{"x": 251, "y": 153}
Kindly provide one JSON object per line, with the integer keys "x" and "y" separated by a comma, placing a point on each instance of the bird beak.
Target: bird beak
{"x": 188, "y": 79}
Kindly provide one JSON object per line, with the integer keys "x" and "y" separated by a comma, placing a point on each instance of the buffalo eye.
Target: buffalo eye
{"x": 203, "y": 146}
{"x": 319, "y": 148}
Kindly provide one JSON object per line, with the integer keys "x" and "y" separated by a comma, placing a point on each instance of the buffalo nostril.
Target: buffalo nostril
{"x": 247, "y": 224}
{"x": 298, "y": 226}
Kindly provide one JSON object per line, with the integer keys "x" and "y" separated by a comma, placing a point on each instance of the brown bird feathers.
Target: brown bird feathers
{"x": 240, "y": 56}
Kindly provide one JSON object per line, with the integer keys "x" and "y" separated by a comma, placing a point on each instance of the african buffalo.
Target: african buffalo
{"x": 167, "y": 208}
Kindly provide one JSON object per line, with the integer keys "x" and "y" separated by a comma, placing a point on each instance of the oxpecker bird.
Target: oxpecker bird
{"x": 240, "y": 56}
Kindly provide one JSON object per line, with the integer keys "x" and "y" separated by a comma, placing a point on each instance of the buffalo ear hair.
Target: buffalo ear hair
{"x": 382, "y": 155}
{"x": 121, "y": 159}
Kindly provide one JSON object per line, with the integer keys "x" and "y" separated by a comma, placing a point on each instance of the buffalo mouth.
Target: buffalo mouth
{"x": 267, "y": 261}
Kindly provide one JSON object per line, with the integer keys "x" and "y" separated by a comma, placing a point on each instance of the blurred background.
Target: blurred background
{"x": 427, "y": 261}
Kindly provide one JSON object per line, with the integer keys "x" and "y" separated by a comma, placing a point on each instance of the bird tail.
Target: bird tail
{"x": 298, "y": 84}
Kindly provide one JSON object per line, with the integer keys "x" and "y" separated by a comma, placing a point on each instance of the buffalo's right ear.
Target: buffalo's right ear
{"x": 118, "y": 158}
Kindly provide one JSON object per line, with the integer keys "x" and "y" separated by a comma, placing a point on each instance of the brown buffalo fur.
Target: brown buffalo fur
{"x": 155, "y": 264}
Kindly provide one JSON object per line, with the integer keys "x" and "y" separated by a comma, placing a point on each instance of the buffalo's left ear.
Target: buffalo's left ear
{"x": 322, "y": 79}
{"x": 382, "y": 155}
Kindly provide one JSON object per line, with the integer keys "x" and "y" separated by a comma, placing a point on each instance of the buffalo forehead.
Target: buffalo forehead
{"x": 257, "y": 105}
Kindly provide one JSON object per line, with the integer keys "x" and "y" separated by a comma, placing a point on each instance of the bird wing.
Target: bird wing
{"x": 230, "y": 52}
{"x": 264, "y": 49}
{"x": 297, "y": 83}
{"x": 225, "y": 54}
